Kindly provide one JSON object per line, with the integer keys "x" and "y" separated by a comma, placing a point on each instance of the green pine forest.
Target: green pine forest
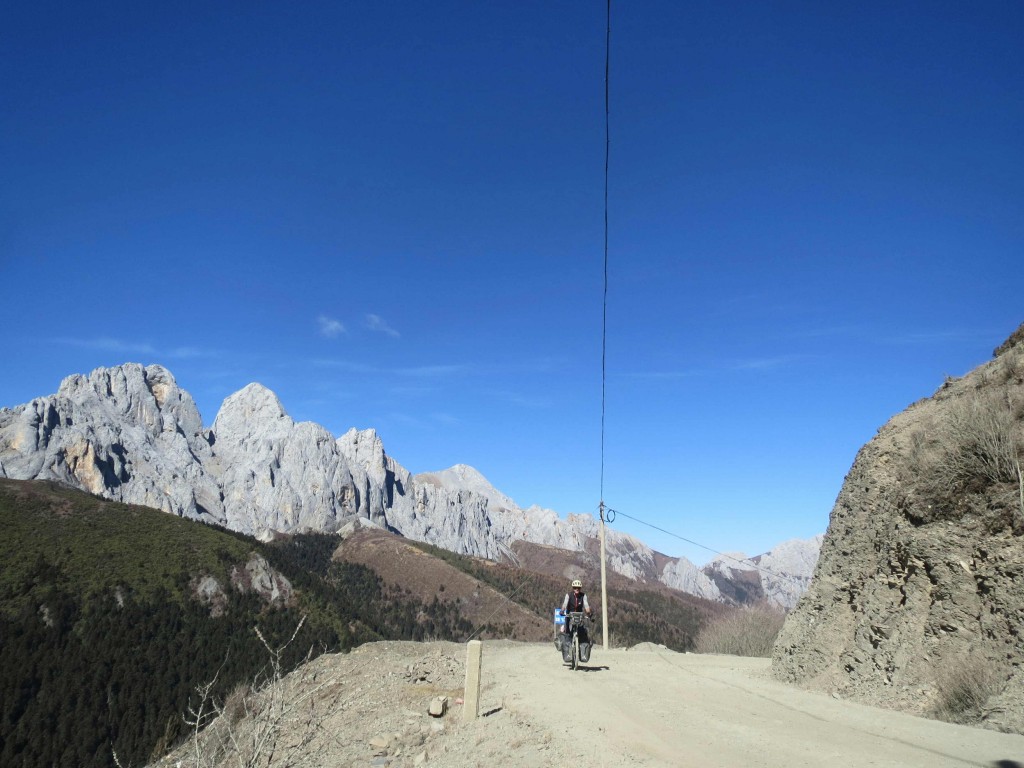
{"x": 103, "y": 639}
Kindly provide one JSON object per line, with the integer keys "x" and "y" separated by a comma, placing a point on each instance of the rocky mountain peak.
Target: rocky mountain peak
{"x": 131, "y": 434}
{"x": 465, "y": 477}
{"x": 364, "y": 448}
{"x": 254, "y": 408}
{"x": 128, "y": 433}
{"x": 149, "y": 396}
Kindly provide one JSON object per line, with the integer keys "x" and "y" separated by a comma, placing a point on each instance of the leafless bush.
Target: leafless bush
{"x": 983, "y": 442}
{"x": 1013, "y": 367}
{"x": 1017, "y": 337}
{"x": 747, "y": 631}
{"x": 965, "y": 687}
{"x": 266, "y": 723}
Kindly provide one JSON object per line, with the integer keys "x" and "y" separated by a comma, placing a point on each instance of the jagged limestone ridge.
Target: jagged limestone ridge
{"x": 131, "y": 434}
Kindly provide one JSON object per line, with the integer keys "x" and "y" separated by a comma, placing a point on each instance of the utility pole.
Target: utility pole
{"x": 604, "y": 586}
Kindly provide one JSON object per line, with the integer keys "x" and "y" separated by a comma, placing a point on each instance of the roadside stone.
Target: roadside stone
{"x": 439, "y": 706}
{"x": 380, "y": 742}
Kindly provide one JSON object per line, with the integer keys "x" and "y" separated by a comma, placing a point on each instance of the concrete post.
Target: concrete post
{"x": 471, "y": 706}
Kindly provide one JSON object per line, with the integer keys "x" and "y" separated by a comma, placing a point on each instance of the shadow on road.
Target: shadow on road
{"x": 585, "y": 668}
{"x": 1007, "y": 764}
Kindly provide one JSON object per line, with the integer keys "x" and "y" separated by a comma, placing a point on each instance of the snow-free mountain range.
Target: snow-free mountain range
{"x": 131, "y": 434}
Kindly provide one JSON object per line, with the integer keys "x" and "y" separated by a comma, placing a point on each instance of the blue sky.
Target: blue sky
{"x": 391, "y": 214}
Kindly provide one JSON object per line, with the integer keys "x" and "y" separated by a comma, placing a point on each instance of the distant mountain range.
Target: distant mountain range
{"x": 131, "y": 434}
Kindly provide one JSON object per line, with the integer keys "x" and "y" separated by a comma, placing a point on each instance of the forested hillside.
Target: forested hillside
{"x": 104, "y": 638}
{"x": 112, "y": 614}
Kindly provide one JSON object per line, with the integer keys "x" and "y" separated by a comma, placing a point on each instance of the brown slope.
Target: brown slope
{"x": 637, "y": 612}
{"x": 401, "y": 563}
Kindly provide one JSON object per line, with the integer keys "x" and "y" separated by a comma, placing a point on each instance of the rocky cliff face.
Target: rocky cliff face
{"x": 919, "y": 578}
{"x": 127, "y": 433}
{"x": 779, "y": 576}
{"x": 131, "y": 434}
{"x": 277, "y": 475}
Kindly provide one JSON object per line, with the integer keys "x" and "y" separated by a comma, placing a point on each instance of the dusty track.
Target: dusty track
{"x": 659, "y": 708}
{"x": 642, "y": 708}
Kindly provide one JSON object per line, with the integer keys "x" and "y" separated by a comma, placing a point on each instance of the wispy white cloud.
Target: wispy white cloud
{"x": 434, "y": 371}
{"x": 935, "y": 337}
{"x": 137, "y": 349}
{"x": 109, "y": 345}
{"x": 764, "y": 363}
{"x": 665, "y": 375}
{"x": 346, "y": 365}
{"x": 445, "y": 419}
{"x": 829, "y": 331}
{"x": 188, "y": 353}
{"x": 869, "y": 334}
{"x": 715, "y": 368}
{"x": 329, "y": 327}
{"x": 516, "y": 398}
{"x": 419, "y": 421}
{"x": 378, "y": 324}
{"x": 415, "y": 372}
{"x": 412, "y": 390}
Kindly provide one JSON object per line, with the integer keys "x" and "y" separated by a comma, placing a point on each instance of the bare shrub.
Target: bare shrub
{"x": 266, "y": 723}
{"x": 746, "y": 631}
{"x": 1013, "y": 367}
{"x": 984, "y": 442}
{"x": 965, "y": 687}
{"x": 1017, "y": 337}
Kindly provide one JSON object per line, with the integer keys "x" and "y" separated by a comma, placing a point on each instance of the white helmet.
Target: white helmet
{"x": 577, "y": 583}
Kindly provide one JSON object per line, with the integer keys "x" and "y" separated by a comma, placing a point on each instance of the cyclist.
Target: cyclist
{"x": 576, "y": 601}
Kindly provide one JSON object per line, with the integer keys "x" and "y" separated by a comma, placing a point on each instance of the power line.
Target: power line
{"x": 612, "y": 513}
{"x": 607, "y": 153}
{"x": 604, "y": 318}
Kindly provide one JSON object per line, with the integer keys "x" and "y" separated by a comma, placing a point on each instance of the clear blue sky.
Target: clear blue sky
{"x": 391, "y": 214}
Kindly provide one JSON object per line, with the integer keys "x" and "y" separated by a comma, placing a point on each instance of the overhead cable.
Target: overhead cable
{"x": 612, "y": 513}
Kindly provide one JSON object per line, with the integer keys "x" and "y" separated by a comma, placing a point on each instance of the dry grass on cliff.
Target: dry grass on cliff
{"x": 747, "y": 631}
{"x": 971, "y": 460}
{"x": 964, "y": 688}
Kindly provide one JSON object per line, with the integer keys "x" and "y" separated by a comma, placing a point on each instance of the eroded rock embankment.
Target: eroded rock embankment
{"x": 916, "y": 601}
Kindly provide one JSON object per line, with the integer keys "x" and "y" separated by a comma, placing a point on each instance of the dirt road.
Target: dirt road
{"x": 652, "y": 707}
{"x": 642, "y": 708}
